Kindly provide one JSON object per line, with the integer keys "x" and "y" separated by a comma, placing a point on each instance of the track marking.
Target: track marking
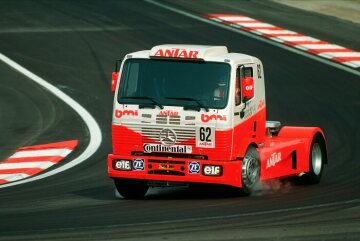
{"x": 92, "y": 125}
{"x": 52, "y": 152}
{"x": 260, "y": 38}
{"x": 31, "y": 160}
{"x": 283, "y": 210}
{"x": 294, "y": 39}
{"x": 212, "y": 218}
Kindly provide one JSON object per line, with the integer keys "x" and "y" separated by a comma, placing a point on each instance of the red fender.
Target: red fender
{"x": 303, "y": 132}
{"x": 277, "y": 152}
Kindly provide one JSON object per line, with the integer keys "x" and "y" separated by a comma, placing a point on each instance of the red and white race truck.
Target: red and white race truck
{"x": 197, "y": 114}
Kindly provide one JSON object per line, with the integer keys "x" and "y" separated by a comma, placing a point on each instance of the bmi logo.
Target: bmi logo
{"x": 121, "y": 113}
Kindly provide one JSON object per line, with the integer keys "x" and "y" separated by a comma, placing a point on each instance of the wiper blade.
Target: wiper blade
{"x": 190, "y": 99}
{"x": 145, "y": 98}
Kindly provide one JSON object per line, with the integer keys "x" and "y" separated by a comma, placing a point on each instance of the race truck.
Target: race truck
{"x": 197, "y": 114}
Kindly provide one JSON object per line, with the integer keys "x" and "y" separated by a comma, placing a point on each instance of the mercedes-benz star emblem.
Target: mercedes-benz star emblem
{"x": 167, "y": 137}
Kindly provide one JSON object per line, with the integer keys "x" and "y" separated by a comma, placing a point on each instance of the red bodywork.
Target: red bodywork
{"x": 286, "y": 154}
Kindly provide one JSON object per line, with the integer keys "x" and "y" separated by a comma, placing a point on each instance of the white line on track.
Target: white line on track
{"x": 22, "y": 165}
{"x": 248, "y": 34}
{"x": 92, "y": 125}
{"x": 51, "y": 152}
{"x": 13, "y": 177}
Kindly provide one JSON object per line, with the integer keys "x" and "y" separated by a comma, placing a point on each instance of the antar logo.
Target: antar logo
{"x": 169, "y": 113}
{"x": 121, "y": 113}
{"x": 274, "y": 159}
{"x": 177, "y": 53}
{"x": 207, "y": 118}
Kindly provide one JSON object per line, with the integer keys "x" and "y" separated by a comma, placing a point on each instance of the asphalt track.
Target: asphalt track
{"x": 73, "y": 45}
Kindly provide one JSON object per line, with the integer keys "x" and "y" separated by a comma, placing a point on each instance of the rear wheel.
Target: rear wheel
{"x": 250, "y": 171}
{"x": 317, "y": 159}
{"x": 131, "y": 189}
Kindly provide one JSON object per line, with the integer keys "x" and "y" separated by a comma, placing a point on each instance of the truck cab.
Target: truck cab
{"x": 197, "y": 114}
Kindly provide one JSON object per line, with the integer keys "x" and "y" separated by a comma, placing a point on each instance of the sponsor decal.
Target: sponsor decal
{"x": 205, "y": 137}
{"x": 166, "y": 167}
{"x": 169, "y": 113}
{"x": 249, "y": 111}
{"x": 165, "y": 148}
{"x": 206, "y": 118}
{"x": 211, "y": 170}
{"x": 121, "y": 113}
{"x": 205, "y": 144}
{"x": 124, "y": 165}
{"x": 139, "y": 164}
{"x": 177, "y": 53}
{"x": 249, "y": 87}
{"x": 194, "y": 167}
{"x": 261, "y": 104}
{"x": 273, "y": 160}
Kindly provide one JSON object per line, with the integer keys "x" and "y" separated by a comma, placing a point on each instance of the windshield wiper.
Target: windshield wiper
{"x": 145, "y": 98}
{"x": 190, "y": 99}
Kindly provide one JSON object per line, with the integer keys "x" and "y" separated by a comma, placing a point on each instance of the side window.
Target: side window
{"x": 248, "y": 72}
{"x": 238, "y": 86}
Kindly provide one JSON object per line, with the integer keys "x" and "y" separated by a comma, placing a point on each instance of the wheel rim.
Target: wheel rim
{"x": 316, "y": 158}
{"x": 251, "y": 170}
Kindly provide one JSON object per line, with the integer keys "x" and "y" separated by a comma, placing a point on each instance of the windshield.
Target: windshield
{"x": 175, "y": 83}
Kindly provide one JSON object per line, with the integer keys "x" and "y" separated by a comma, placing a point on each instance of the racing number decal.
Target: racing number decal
{"x": 205, "y": 137}
{"x": 205, "y": 133}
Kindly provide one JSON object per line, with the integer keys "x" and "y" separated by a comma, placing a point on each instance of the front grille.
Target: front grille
{"x": 164, "y": 120}
{"x": 153, "y": 132}
{"x": 174, "y": 120}
{"x": 173, "y": 155}
{"x": 161, "y": 119}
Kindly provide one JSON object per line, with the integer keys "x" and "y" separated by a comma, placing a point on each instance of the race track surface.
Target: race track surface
{"x": 73, "y": 45}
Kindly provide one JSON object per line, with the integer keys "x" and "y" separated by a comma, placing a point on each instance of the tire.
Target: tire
{"x": 317, "y": 158}
{"x": 250, "y": 171}
{"x": 131, "y": 189}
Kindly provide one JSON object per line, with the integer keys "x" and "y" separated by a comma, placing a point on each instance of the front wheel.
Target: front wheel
{"x": 317, "y": 159}
{"x": 131, "y": 189}
{"x": 250, "y": 171}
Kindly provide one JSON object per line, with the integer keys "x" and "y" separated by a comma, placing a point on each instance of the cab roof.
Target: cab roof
{"x": 193, "y": 52}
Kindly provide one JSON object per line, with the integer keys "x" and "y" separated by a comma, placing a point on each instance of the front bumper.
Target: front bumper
{"x": 154, "y": 168}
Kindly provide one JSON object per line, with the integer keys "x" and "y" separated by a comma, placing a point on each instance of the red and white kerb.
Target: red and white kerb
{"x": 308, "y": 44}
{"x": 31, "y": 160}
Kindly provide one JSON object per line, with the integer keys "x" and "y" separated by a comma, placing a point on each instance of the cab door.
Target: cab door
{"x": 244, "y": 122}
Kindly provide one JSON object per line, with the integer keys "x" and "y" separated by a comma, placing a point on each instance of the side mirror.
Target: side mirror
{"x": 114, "y": 80}
{"x": 115, "y": 75}
{"x": 247, "y": 87}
